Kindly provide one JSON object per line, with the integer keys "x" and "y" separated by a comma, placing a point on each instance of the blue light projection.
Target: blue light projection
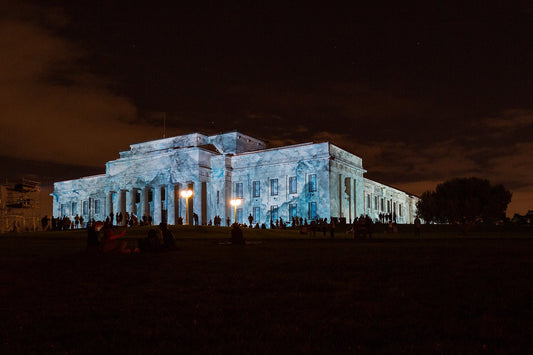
{"x": 311, "y": 180}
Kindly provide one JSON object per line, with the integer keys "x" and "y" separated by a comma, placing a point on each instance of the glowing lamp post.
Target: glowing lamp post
{"x": 186, "y": 194}
{"x": 235, "y": 202}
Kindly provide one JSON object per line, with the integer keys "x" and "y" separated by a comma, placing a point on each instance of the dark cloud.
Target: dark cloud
{"x": 510, "y": 121}
{"x": 55, "y": 110}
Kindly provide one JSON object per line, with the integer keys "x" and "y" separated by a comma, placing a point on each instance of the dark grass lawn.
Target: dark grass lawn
{"x": 288, "y": 294}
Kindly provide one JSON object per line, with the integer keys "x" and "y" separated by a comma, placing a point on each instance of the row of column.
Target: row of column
{"x": 125, "y": 201}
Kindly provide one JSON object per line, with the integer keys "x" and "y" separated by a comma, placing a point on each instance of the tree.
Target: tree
{"x": 465, "y": 201}
{"x": 427, "y": 207}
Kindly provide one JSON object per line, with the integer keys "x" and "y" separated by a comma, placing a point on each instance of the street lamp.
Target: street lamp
{"x": 186, "y": 194}
{"x": 235, "y": 202}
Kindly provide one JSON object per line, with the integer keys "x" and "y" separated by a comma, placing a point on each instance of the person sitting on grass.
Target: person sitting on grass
{"x": 169, "y": 242}
{"x": 111, "y": 244}
{"x": 151, "y": 243}
{"x": 93, "y": 236}
{"x": 236, "y": 235}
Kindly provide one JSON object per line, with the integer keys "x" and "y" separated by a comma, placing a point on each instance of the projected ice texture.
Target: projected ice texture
{"x": 310, "y": 180}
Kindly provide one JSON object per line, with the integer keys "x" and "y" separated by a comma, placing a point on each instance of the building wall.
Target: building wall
{"x": 329, "y": 182}
{"x": 280, "y": 165}
{"x": 346, "y": 184}
{"x": 396, "y": 202}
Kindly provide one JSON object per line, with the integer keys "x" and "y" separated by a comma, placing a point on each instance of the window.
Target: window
{"x": 376, "y": 203}
{"x": 239, "y": 215}
{"x": 256, "y": 213}
{"x": 85, "y": 207}
{"x": 274, "y": 187}
{"x": 96, "y": 206}
{"x": 293, "y": 187}
{"x": 312, "y": 182}
{"x": 312, "y": 210}
{"x": 256, "y": 187}
{"x": 274, "y": 213}
{"x": 400, "y": 210}
{"x": 74, "y": 208}
{"x": 382, "y": 206}
{"x": 368, "y": 204}
{"x": 292, "y": 211}
{"x": 238, "y": 190}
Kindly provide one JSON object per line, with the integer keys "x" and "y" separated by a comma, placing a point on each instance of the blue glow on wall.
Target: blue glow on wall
{"x": 304, "y": 180}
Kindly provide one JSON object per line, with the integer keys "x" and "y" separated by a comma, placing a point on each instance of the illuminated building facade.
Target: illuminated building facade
{"x": 311, "y": 180}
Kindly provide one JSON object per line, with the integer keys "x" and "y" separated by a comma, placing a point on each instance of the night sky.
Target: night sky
{"x": 422, "y": 95}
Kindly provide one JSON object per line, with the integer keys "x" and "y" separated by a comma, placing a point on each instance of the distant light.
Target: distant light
{"x": 186, "y": 193}
{"x": 236, "y": 202}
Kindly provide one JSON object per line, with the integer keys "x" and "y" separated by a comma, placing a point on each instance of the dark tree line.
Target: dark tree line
{"x": 464, "y": 201}
{"x": 526, "y": 219}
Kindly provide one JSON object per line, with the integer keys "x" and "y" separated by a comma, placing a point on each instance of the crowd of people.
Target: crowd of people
{"x": 102, "y": 236}
{"x": 64, "y": 223}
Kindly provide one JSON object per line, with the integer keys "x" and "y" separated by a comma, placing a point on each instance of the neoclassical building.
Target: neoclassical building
{"x": 310, "y": 180}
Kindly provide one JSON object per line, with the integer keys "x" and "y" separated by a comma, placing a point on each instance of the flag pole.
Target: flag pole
{"x": 164, "y": 124}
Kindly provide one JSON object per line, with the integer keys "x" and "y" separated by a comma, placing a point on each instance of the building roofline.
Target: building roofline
{"x": 278, "y": 148}
{"x": 201, "y": 134}
{"x": 83, "y": 177}
{"x": 393, "y": 187}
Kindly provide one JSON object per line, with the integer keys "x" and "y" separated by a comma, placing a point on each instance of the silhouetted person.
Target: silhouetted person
{"x": 418, "y": 225}
{"x": 236, "y": 235}
{"x": 168, "y": 239}
{"x": 369, "y": 226}
{"x": 44, "y": 223}
{"x": 332, "y": 228}
{"x": 93, "y": 236}
{"x": 151, "y": 243}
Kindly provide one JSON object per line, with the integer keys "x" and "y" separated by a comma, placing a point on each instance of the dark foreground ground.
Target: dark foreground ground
{"x": 459, "y": 295}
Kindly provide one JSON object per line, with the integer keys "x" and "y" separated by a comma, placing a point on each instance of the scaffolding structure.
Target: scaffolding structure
{"x": 19, "y": 206}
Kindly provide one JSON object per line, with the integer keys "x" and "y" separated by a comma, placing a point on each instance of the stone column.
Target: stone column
{"x": 140, "y": 211}
{"x": 347, "y": 183}
{"x": 197, "y": 201}
{"x": 109, "y": 203}
{"x": 124, "y": 201}
{"x": 356, "y": 210}
{"x": 128, "y": 200}
{"x": 157, "y": 205}
{"x": 145, "y": 203}
{"x": 132, "y": 207}
{"x": 181, "y": 202}
{"x": 171, "y": 204}
{"x": 340, "y": 195}
{"x": 119, "y": 206}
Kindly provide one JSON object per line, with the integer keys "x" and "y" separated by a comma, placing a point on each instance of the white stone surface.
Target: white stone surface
{"x": 213, "y": 165}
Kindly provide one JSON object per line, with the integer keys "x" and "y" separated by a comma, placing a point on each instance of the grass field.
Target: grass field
{"x": 289, "y": 293}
